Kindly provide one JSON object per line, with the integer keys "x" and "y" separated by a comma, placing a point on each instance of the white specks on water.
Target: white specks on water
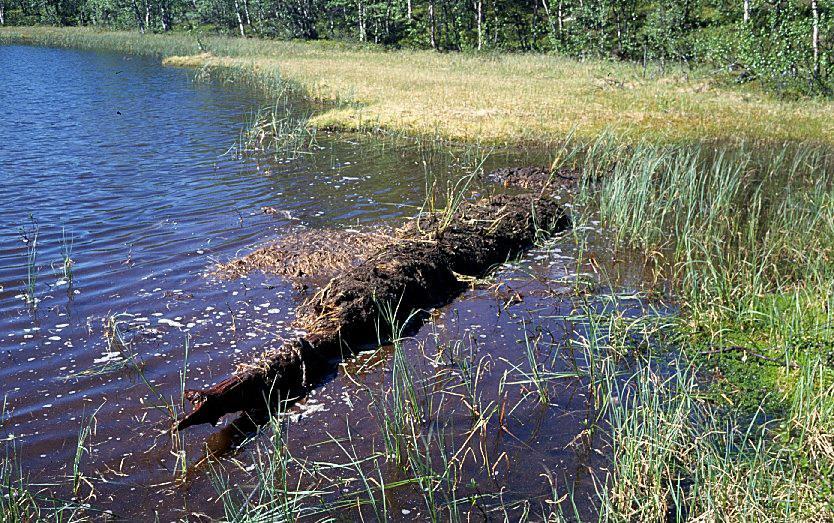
{"x": 108, "y": 357}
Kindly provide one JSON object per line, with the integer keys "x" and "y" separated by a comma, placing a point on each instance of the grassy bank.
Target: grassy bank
{"x": 745, "y": 237}
{"x": 501, "y": 98}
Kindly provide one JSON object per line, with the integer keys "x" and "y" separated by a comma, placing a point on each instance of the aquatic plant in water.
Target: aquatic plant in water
{"x": 29, "y": 236}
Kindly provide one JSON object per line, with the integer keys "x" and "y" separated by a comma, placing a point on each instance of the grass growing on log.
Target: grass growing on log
{"x": 490, "y": 99}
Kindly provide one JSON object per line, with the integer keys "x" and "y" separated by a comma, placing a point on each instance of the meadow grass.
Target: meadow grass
{"x": 488, "y": 99}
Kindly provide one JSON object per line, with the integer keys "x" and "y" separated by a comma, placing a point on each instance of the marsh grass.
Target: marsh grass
{"x": 434, "y": 424}
{"x": 23, "y": 501}
{"x": 745, "y": 236}
{"x": 119, "y": 353}
{"x": 676, "y": 454}
{"x": 83, "y": 446}
{"x": 278, "y": 131}
{"x": 29, "y": 237}
{"x": 67, "y": 262}
{"x": 489, "y": 99}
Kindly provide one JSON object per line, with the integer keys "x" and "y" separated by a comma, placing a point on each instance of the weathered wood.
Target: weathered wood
{"x": 408, "y": 275}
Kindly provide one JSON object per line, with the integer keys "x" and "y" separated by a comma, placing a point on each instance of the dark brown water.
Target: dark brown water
{"x": 121, "y": 164}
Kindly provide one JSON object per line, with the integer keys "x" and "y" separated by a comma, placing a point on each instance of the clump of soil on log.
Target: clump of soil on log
{"x": 307, "y": 255}
{"x": 534, "y": 178}
{"x": 420, "y": 270}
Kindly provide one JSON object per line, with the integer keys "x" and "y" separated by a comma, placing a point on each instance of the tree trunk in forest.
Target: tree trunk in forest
{"x": 165, "y": 15}
{"x": 363, "y": 35}
{"x": 550, "y": 26}
{"x": 147, "y": 15}
{"x": 479, "y": 10}
{"x": 246, "y": 13}
{"x": 495, "y": 23}
{"x": 559, "y": 18}
{"x": 534, "y": 23}
{"x": 138, "y": 15}
{"x": 387, "y": 20}
{"x": 2, "y": 12}
{"x": 239, "y": 19}
{"x": 815, "y": 38}
{"x": 746, "y": 11}
{"x": 408, "y": 10}
{"x": 431, "y": 25}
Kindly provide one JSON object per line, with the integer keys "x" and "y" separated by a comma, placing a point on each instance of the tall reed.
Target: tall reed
{"x": 745, "y": 234}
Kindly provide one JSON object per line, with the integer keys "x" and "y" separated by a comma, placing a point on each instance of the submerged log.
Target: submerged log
{"x": 411, "y": 274}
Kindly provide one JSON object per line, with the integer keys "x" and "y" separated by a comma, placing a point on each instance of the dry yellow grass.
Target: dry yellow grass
{"x": 506, "y": 99}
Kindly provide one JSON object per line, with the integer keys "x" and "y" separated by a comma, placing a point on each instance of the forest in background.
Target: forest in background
{"x": 785, "y": 45}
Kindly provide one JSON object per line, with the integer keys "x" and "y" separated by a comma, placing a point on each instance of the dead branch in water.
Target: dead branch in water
{"x": 409, "y": 275}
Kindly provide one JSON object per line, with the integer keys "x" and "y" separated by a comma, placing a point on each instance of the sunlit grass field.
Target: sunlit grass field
{"x": 488, "y": 99}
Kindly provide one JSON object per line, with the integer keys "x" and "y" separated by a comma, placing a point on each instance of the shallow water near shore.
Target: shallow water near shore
{"x": 124, "y": 166}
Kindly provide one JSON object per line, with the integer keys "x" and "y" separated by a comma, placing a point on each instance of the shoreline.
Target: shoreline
{"x": 499, "y": 99}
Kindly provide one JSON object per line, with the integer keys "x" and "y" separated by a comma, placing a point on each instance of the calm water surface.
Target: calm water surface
{"x": 124, "y": 165}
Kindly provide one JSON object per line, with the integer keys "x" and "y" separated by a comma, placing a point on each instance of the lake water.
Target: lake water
{"x": 128, "y": 168}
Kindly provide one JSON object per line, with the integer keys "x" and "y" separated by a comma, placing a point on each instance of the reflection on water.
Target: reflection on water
{"x": 120, "y": 164}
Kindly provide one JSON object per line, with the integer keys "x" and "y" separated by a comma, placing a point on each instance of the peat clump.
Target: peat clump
{"x": 307, "y": 256}
{"x": 417, "y": 270}
{"x": 534, "y": 178}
